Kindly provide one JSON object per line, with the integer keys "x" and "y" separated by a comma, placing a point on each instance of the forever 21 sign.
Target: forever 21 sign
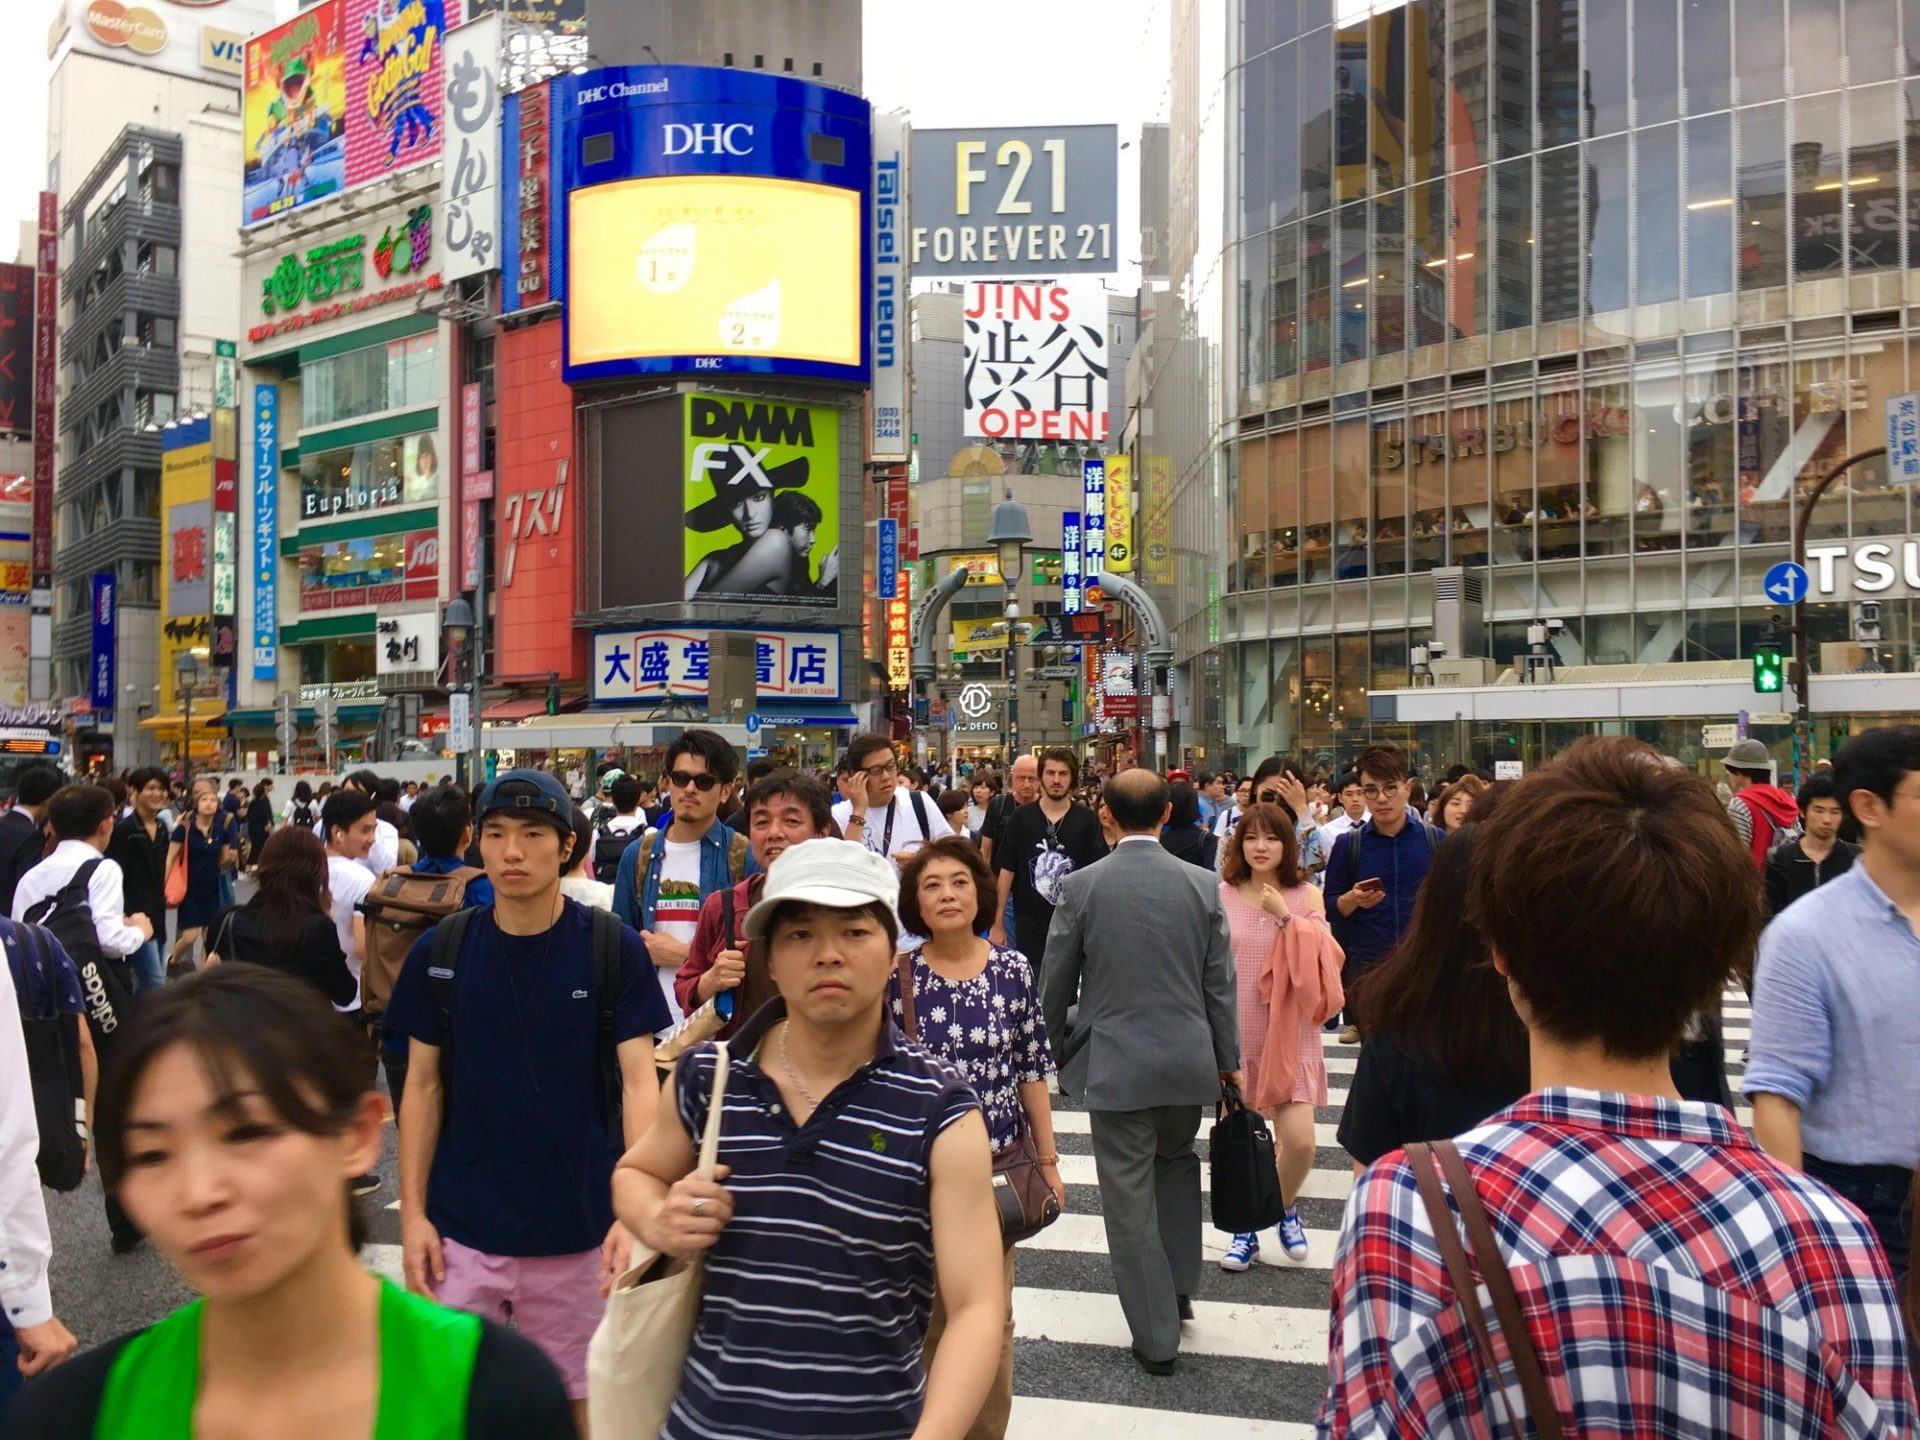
{"x": 1001, "y": 202}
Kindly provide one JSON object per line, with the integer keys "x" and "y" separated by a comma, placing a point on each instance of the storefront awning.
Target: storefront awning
{"x": 166, "y": 726}
{"x": 527, "y": 706}
{"x": 807, "y": 717}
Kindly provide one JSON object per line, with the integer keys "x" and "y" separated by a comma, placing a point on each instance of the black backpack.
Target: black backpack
{"x": 53, "y": 1066}
{"x": 443, "y": 957}
{"x": 106, "y": 985}
{"x": 608, "y": 847}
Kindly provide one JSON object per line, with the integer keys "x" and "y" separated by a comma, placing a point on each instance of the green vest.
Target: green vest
{"x": 426, "y": 1350}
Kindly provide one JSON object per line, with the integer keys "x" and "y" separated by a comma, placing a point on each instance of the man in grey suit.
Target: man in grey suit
{"x": 1140, "y": 941}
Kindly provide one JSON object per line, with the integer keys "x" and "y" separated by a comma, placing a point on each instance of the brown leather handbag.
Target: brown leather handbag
{"x": 1506, "y": 1303}
{"x": 1021, "y": 1194}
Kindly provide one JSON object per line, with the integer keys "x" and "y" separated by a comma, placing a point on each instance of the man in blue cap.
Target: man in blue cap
{"x": 530, "y": 1025}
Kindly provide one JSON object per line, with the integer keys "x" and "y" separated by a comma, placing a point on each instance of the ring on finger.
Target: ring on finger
{"x": 699, "y": 1204}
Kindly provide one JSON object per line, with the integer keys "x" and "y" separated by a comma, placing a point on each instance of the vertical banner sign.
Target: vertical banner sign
{"x": 899, "y": 636}
{"x": 266, "y": 531}
{"x": 886, "y": 568}
{"x": 897, "y": 497}
{"x": 471, "y": 438}
{"x": 528, "y": 284}
{"x": 46, "y": 315}
{"x": 16, "y": 349}
{"x": 1903, "y": 438}
{"x": 1156, "y": 505}
{"x": 470, "y": 543}
{"x": 1072, "y": 582}
{"x": 887, "y": 438}
{"x": 1119, "y": 514}
{"x": 469, "y": 177}
{"x": 226, "y": 375}
{"x": 1093, "y": 540}
{"x": 106, "y": 618}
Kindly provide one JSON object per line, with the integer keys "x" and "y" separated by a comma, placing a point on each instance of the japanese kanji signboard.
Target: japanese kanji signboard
{"x": 1036, "y": 361}
{"x": 655, "y": 664}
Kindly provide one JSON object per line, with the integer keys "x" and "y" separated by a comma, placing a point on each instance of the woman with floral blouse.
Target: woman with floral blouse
{"x": 975, "y": 1004}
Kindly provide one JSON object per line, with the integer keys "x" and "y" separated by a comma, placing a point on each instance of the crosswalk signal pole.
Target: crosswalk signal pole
{"x": 1802, "y": 688}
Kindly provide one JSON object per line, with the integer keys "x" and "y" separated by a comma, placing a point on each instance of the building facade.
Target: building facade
{"x": 1580, "y": 298}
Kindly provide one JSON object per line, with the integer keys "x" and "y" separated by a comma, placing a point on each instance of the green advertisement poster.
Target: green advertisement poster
{"x": 762, "y": 502}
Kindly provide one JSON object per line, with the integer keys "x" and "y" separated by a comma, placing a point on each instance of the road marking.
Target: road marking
{"x": 1289, "y": 1334}
{"x": 1074, "y": 1234}
{"x": 1037, "y": 1419}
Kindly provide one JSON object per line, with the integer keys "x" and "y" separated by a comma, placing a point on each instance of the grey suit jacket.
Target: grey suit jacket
{"x": 1140, "y": 940}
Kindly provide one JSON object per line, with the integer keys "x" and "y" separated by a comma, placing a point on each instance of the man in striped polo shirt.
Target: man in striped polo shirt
{"x": 856, "y": 1174}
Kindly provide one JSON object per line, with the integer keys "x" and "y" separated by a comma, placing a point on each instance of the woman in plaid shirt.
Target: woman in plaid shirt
{"x": 1675, "y": 1280}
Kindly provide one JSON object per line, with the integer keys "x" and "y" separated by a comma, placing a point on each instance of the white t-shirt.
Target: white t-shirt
{"x": 907, "y": 836}
{"x": 348, "y": 882}
{"x": 676, "y": 911}
{"x": 1335, "y": 828}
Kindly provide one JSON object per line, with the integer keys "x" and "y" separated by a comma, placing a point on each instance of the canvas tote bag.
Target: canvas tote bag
{"x": 637, "y": 1353}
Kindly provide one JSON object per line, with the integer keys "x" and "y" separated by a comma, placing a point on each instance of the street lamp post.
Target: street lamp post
{"x": 1802, "y": 670}
{"x": 1010, "y": 534}
{"x": 189, "y": 676}
{"x": 460, "y": 627}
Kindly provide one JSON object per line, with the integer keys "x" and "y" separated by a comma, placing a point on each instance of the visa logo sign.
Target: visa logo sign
{"x": 222, "y": 51}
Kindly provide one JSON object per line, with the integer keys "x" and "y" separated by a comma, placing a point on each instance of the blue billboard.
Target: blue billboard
{"x": 709, "y": 222}
{"x": 106, "y": 631}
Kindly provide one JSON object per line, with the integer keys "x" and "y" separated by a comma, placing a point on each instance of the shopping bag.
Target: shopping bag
{"x": 636, "y": 1355}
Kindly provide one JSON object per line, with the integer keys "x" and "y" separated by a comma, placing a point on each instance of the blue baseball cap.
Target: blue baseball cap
{"x": 532, "y": 793}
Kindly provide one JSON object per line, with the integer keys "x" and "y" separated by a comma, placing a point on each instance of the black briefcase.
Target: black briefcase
{"x": 1246, "y": 1181}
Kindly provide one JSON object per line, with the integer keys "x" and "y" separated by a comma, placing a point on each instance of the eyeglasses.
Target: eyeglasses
{"x": 881, "y": 772}
{"x": 1380, "y": 792}
{"x": 680, "y": 779}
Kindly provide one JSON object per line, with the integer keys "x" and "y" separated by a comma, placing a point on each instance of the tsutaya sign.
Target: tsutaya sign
{"x": 1863, "y": 568}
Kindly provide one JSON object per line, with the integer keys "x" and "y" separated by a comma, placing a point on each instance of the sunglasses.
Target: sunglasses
{"x": 680, "y": 779}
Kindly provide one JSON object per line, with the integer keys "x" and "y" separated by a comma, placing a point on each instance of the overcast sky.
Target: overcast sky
{"x": 1009, "y": 62}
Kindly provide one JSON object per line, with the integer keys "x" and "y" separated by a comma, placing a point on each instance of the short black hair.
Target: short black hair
{"x": 138, "y": 780}
{"x": 75, "y": 812}
{"x": 1820, "y": 786}
{"x": 363, "y": 779}
{"x": 862, "y": 746}
{"x": 37, "y": 784}
{"x": 1203, "y": 778}
{"x": 343, "y": 811}
{"x": 760, "y": 769}
{"x": 388, "y": 791}
{"x": 236, "y": 783}
{"x": 802, "y": 787}
{"x": 626, "y": 793}
{"x": 439, "y": 818}
{"x": 711, "y": 747}
{"x": 1352, "y": 777}
{"x": 1185, "y": 801}
{"x": 1136, "y": 799}
{"x": 1876, "y": 761}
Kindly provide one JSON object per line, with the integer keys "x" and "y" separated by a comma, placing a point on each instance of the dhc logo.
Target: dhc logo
{"x": 683, "y": 139}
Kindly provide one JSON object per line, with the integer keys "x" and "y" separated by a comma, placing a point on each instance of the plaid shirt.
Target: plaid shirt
{"x": 1676, "y": 1281}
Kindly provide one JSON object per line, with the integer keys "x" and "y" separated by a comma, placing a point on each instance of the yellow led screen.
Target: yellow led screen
{"x": 699, "y": 265}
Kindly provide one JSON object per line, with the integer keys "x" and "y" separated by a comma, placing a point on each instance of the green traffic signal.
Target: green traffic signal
{"x": 1769, "y": 672}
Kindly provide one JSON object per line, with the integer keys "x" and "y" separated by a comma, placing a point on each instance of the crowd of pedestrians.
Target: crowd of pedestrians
{"x": 881, "y": 991}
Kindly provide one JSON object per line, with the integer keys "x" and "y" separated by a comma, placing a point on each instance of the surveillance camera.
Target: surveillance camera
{"x": 1556, "y": 627}
{"x": 1436, "y": 650}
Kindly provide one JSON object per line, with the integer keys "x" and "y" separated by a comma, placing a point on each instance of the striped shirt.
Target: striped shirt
{"x": 817, "y": 1295}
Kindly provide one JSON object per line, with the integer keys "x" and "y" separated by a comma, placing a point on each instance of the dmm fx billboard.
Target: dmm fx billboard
{"x": 762, "y": 501}
{"x": 660, "y": 663}
{"x": 1037, "y": 200}
{"x": 1035, "y": 361}
{"x": 713, "y": 221}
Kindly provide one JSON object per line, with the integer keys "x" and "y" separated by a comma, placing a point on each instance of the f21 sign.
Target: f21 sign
{"x": 1035, "y": 200}
{"x": 1035, "y": 360}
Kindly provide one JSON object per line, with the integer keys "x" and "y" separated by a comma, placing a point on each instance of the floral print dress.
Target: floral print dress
{"x": 990, "y": 1027}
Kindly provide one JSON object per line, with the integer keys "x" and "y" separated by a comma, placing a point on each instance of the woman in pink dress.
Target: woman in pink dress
{"x": 1288, "y": 969}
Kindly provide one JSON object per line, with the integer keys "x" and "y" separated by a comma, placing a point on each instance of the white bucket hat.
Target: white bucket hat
{"x": 835, "y": 873}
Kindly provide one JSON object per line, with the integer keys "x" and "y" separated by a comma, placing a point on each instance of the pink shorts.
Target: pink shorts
{"x": 553, "y": 1300}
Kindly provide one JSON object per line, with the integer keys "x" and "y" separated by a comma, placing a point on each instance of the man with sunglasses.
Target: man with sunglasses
{"x": 877, "y": 811}
{"x": 663, "y": 881}
{"x": 1375, "y": 870}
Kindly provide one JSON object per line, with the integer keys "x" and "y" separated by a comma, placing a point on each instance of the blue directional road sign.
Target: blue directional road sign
{"x": 754, "y": 722}
{"x": 1786, "y": 583}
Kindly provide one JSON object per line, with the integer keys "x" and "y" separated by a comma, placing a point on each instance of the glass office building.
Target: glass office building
{"x": 1580, "y": 296}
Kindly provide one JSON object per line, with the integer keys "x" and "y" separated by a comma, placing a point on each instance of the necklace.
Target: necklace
{"x": 786, "y": 1064}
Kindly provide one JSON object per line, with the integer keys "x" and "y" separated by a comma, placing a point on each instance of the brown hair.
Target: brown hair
{"x": 1060, "y": 755}
{"x": 950, "y": 847}
{"x": 1383, "y": 762}
{"x": 1272, "y": 819}
{"x": 292, "y": 876}
{"x": 1619, "y": 898}
{"x": 1466, "y": 785}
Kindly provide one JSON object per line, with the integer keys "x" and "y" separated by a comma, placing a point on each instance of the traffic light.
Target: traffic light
{"x": 553, "y": 693}
{"x": 1769, "y": 671}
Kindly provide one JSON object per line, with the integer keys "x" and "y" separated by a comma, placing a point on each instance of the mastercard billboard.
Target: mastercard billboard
{"x": 711, "y": 222}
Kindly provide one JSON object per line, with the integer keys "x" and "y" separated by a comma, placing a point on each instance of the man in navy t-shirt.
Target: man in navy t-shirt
{"x": 506, "y": 1161}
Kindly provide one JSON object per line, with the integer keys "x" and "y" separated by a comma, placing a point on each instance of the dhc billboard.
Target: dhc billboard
{"x": 711, "y": 222}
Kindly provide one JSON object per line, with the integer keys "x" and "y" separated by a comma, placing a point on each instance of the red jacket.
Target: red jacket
{"x": 709, "y": 939}
{"x": 1772, "y": 811}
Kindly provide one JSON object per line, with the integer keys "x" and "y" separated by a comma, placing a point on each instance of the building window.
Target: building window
{"x": 399, "y": 375}
{"x": 370, "y": 476}
{"x": 153, "y": 258}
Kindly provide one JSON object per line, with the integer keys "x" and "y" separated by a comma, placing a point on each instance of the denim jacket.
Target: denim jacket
{"x": 635, "y": 900}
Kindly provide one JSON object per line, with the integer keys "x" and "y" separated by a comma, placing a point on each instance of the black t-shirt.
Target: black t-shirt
{"x": 1395, "y": 1100}
{"x": 1041, "y": 853}
{"x": 239, "y": 933}
{"x": 515, "y": 1395}
{"x": 22, "y": 847}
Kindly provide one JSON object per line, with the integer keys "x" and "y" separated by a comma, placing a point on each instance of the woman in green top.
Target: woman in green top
{"x": 230, "y": 1129}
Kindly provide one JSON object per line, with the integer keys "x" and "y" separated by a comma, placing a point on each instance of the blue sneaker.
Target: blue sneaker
{"x": 1293, "y": 1236}
{"x": 1240, "y": 1253}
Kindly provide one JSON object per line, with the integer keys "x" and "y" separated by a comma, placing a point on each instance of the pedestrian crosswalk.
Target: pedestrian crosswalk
{"x": 1253, "y": 1359}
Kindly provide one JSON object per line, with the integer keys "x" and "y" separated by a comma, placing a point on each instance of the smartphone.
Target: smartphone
{"x": 1372, "y": 883}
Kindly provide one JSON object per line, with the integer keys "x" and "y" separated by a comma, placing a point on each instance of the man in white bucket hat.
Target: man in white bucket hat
{"x": 856, "y": 1174}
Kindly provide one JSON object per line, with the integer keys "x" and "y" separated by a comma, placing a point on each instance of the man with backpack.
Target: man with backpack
{"x": 60, "y": 1057}
{"x": 76, "y": 894}
{"x": 620, "y": 822}
{"x": 783, "y": 809}
{"x": 1763, "y": 813}
{"x": 662, "y": 882}
{"x": 22, "y": 828}
{"x": 530, "y": 1024}
{"x": 407, "y": 902}
{"x": 879, "y": 812}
